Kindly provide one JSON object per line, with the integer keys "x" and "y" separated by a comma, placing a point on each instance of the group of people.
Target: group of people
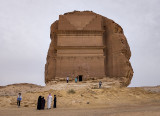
{"x": 41, "y": 102}
{"x": 76, "y": 79}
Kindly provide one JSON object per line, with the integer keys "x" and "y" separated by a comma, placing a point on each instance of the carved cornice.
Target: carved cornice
{"x": 79, "y": 32}
{"x": 76, "y": 57}
{"x": 79, "y": 47}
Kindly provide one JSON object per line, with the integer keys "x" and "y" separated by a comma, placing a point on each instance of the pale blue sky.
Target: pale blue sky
{"x": 25, "y": 31}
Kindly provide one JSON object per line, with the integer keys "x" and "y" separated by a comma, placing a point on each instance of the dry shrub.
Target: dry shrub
{"x": 71, "y": 91}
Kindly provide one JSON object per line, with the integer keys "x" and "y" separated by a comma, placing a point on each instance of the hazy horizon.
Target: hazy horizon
{"x": 25, "y": 36}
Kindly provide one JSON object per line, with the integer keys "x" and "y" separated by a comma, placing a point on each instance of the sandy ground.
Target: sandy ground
{"x": 84, "y": 99}
{"x": 141, "y": 110}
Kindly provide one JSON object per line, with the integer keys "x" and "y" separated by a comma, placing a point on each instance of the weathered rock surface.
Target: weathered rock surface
{"x": 88, "y": 46}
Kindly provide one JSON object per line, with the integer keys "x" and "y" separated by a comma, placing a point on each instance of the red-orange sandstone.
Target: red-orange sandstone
{"x": 88, "y": 46}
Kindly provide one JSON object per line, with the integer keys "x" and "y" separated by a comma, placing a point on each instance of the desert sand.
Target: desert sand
{"x": 81, "y": 99}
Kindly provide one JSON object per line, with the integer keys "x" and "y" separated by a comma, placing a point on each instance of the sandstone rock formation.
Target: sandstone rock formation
{"x": 88, "y": 46}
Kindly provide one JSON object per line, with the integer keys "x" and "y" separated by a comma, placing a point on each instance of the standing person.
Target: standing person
{"x": 19, "y": 98}
{"x": 43, "y": 103}
{"x": 67, "y": 79}
{"x": 49, "y": 101}
{"x": 39, "y": 103}
{"x": 76, "y": 80}
{"x": 100, "y": 84}
{"x": 55, "y": 100}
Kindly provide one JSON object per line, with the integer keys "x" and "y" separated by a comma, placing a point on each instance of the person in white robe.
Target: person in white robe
{"x": 49, "y": 101}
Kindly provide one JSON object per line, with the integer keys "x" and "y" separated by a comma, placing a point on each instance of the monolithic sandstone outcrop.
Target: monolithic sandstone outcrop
{"x": 88, "y": 46}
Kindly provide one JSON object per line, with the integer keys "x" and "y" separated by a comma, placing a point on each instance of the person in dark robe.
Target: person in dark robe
{"x": 42, "y": 103}
{"x": 39, "y": 103}
{"x": 55, "y": 100}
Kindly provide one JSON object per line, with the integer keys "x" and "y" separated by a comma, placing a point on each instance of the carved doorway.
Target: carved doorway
{"x": 80, "y": 77}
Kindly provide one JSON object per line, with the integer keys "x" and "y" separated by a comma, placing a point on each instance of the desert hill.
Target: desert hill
{"x": 79, "y": 95}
